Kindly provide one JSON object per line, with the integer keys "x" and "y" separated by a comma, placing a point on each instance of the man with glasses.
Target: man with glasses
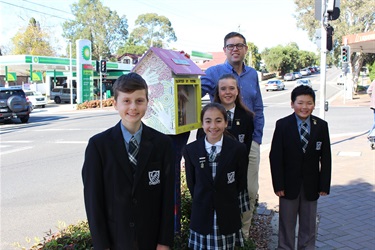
{"x": 235, "y": 49}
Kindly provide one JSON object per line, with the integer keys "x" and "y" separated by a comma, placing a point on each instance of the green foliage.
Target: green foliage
{"x": 152, "y": 30}
{"x": 32, "y": 40}
{"x": 372, "y": 72}
{"x": 102, "y": 26}
{"x": 255, "y": 56}
{"x": 285, "y": 59}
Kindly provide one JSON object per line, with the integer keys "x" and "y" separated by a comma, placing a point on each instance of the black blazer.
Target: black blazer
{"x": 121, "y": 207}
{"x": 291, "y": 168}
{"x": 242, "y": 127}
{"x": 220, "y": 194}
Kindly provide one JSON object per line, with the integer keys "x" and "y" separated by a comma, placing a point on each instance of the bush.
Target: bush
{"x": 96, "y": 104}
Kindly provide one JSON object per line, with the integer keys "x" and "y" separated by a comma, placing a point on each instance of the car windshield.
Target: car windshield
{"x": 7, "y": 93}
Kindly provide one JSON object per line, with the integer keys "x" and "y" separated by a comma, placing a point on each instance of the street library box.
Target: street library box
{"x": 174, "y": 91}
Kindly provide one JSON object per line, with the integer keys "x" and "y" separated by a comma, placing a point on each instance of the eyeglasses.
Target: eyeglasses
{"x": 239, "y": 46}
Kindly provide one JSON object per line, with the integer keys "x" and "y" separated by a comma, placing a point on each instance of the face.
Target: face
{"x": 131, "y": 107}
{"x": 213, "y": 125}
{"x": 228, "y": 92}
{"x": 235, "y": 56}
{"x": 303, "y": 106}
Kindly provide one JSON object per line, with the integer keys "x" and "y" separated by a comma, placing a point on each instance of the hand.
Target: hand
{"x": 323, "y": 193}
{"x": 151, "y": 78}
{"x": 163, "y": 116}
{"x": 162, "y": 247}
{"x": 280, "y": 193}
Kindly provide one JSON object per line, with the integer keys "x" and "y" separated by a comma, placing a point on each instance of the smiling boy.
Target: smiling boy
{"x": 300, "y": 160}
{"x": 128, "y": 177}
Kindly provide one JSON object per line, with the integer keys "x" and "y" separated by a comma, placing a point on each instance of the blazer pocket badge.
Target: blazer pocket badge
{"x": 241, "y": 138}
{"x": 154, "y": 177}
{"x": 231, "y": 177}
{"x": 318, "y": 145}
{"x": 202, "y": 160}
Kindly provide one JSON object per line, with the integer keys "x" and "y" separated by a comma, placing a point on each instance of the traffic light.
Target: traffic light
{"x": 103, "y": 66}
{"x": 345, "y": 54}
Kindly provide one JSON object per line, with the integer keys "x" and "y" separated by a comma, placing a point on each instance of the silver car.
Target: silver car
{"x": 275, "y": 85}
{"x": 59, "y": 95}
{"x": 306, "y": 82}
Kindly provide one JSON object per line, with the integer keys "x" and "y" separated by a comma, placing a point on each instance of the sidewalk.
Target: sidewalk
{"x": 346, "y": 217}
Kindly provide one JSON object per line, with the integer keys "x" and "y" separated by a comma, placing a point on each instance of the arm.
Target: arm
{"x": 325, "y": 163}
{"x": 166, "y": 231}
{"x": 190, "y": 172}
{"x": 94, "y": 196}
{"x": 258, "y": 109}
{"x": 276, "y": 161}
{"x": 208, "y": 83}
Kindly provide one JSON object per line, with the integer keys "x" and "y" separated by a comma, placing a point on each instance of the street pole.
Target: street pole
{"x": 101, "y": 87}
{"x": 71, "y": 73}
{"x": 323, "y": 60}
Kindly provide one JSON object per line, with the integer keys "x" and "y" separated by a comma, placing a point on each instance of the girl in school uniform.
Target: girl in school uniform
{"x": 216, "y": 167}
{"x": 240, "y": 118}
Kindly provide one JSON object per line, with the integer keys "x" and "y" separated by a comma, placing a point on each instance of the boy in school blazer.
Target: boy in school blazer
{"x": 130, "y": 208}
{"x": 299, "y": 177}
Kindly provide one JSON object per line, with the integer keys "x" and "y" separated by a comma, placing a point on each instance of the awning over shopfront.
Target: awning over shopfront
{"x": 362, "y": 42}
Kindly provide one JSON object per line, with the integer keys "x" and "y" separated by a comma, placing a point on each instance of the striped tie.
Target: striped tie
{"x": 229, "y": 114}
{"x": 133, "y": 151}
{"x": 212, "y": 155}
{"x": 304, "y": 136}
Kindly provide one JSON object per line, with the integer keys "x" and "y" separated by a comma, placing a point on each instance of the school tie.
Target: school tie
{"x": 133, "y": 151}
{"x": 304, "y": 136}
{"x": 229, "y": 114}
{"x": 212, "y": 155}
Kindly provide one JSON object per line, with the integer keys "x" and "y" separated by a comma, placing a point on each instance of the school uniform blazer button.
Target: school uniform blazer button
{"x": 131, "y": 224}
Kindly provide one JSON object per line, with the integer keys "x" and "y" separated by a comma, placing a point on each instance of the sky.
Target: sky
{"x": 199, "y": 25}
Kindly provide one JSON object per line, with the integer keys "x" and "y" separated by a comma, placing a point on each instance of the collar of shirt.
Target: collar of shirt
{"x": 231, "y": 67}
{"x": 127, "y": 136}
{"x": 299, "y": 122}
{"x": 232, "y": 111}
{"x": 217, "y": 144}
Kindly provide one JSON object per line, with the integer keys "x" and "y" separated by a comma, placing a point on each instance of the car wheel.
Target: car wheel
{"x": 25, "y": 119}
{"x": 16, "y": 103}
{"x": 43, "y": 106}
{"x": 57, "y": 100}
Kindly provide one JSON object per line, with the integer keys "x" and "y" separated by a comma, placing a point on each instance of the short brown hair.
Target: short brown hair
{"x": 129, "y": 83}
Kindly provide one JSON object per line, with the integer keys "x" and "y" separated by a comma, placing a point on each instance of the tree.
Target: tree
{"x": 152, "y": 30}
{"x": 32, "y": 41}
{"x": 253, "y": 56}
{"x": 356, "y": 16}
{"x": 103, "y": 27}
{"x": 131, "y": 47}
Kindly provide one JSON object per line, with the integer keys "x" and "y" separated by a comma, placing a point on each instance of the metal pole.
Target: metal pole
{"x": 323, "y": 61}
{"x": 101, "y": 87}
{"x": 71, "y": 73}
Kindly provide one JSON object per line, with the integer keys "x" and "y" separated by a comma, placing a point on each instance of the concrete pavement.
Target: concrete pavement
{"x": 346, "y": 217}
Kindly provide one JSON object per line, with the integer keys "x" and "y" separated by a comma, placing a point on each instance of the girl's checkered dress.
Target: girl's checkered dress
{"x": 217, "y": 241}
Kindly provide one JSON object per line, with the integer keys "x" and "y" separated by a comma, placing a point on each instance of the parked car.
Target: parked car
{"x": 297, "y": 75}
{"x": 13, "y": 104}
{"x": 275, "y": 85}
{"x": 289, "y": 77}
{"x": 306, "y": 82}
{"x": 59, "y": 95}
{"x": 36, "y": 98}
{"x": 305, "y": 72}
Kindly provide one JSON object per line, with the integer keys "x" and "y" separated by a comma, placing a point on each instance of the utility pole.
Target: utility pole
{"x": 323, "y": 59}
{"x": 101, "y": 87}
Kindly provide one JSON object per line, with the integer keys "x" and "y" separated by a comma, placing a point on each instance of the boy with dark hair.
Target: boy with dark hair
{"x": 129, "y": 178}
{"x": 300, "y": 159}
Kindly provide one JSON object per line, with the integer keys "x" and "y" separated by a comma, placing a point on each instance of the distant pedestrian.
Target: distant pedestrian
{"x": 300, "y": 159}
{"x": 371, "y": 92}
{"x": 216, "y": 167}
{"x": 128, "y": 177}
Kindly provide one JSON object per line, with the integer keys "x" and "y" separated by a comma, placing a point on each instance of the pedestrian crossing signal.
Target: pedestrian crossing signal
{"x": 345, "y": 54}
{"x": 103, "y": 66}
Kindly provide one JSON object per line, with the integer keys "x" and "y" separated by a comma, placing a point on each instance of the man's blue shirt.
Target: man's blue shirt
{"x": 249, "y": 87}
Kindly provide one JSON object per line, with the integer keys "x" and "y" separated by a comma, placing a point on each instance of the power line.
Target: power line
{"x": 48, "y": 7}
{"x": 22, "y": 7}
